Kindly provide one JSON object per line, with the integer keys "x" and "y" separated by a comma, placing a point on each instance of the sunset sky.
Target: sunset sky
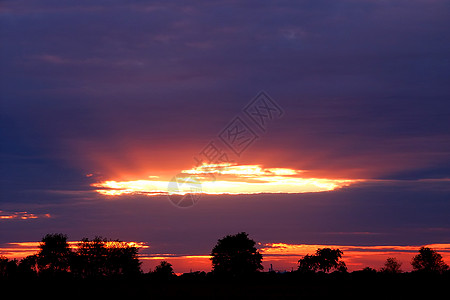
{"x": 172, "y": 124}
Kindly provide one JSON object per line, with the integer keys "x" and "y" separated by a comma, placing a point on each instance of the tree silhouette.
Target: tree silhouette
{"x": 3, "y": 266}
{"x": 102, "y": 258}
{"x": 90, "y": 259}
{"x": 329, "y": 259}
{"x": 8, "y": 267}
{"x": 164, "y": 270}
{"x": 324, "y": 260}
{"x": 392, "y": 266}
{"x": 236, "y": 255}
{"x": 123, "y": 259}
{"x": 428, "y": 260}
{"x": 28, "y": 266}
{"x": 309, "y": 263}
{"x": 54, "y": 255}
{"x": 368, "y": 270}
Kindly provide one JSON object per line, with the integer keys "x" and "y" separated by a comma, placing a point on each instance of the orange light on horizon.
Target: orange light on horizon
{"x": 231, "y": 179}
{"x": 20, "y": 250}
{"x": 286, "y": 256}
{"x": 283, "y": 256}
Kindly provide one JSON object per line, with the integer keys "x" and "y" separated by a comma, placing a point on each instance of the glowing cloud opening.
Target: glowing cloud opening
{"x": 226, "y": 179}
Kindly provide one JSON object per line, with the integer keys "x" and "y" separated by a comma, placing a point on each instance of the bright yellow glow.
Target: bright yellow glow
{"x": 288, "y": 249}
{"x": 115, "y": 188}
{"x": 112, "y": 244}
{"x": 225, "y": 179}
{"x": 242, "y": 170}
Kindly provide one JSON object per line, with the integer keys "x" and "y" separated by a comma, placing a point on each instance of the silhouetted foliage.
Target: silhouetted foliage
{"x": 196, "y": 275}
{"x": 102, "y": 258}
{"x": 3, "y": 266}
{"x": 309, "y": 263}
{"x": 163, "y": 271}
{"x": 392, "y": 266}
{"x": 28, "y": 267}
{"x": 91, "y": 259}
{"x": 369, "y": 270}
{"x": 428, "y": 260}
{"x": 8, "y": 267}
{"x": 236, "y": 255}
{"x": 123, "y": 259}
{"x": 329, "y": 259}
{"x": 54, "y": 255}
{"x": 325, "y": 259}
{"x": 233, "y": 255}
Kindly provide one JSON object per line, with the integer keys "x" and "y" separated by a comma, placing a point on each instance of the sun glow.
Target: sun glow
{"x": 224, "y": 179}
{"x": 115, "y": 188}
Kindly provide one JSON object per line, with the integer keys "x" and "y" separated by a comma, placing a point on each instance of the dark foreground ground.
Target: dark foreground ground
{"x": 350, "y": 286}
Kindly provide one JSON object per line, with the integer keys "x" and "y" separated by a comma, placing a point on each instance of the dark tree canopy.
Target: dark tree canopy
{"x": 54, "y": 255}
{"x": 90, "y": 259}
{"x": 123, "y": 259}
{"x": 309, "y": 263}
{"x": 428, "y": 260}
{"x": 164, "y": 270}
{"x": 8, "y": 267}
{"x": 28, "y": 266}
{"x": 236, "y": 255}
{"x": 325, "y": 259}
{"x": 392, "y": 265}
{"x": 102, "y": 258}
{"x": 3, "y": 266}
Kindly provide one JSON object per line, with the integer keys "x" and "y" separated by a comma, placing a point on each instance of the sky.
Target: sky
{"x": 173, "y": 124}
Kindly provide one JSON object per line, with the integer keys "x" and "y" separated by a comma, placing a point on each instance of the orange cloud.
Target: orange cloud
{"x": 19, "y": 250}
{"x": 226, "y": 179}
{"x": 21, "y": 215}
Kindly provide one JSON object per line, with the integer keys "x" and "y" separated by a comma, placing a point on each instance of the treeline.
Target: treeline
{"x": 96, "y": 258}
{"x": 234, "y": 256}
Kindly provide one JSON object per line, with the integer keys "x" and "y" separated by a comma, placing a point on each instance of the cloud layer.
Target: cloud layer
{"x": 122, "y": 90}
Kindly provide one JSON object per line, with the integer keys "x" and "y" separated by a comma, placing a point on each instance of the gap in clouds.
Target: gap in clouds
{"x": 226, "y": 179}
